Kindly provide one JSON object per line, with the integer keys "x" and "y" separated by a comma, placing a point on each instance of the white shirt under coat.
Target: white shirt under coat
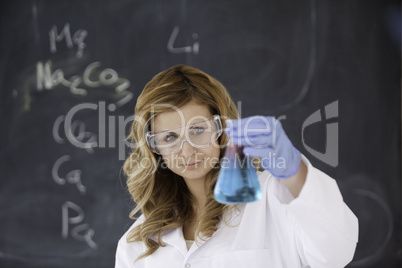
{"x": 316, "y": 229}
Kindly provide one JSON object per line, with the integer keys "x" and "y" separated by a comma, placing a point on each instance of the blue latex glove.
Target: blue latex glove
{"x": 264, "y": 137}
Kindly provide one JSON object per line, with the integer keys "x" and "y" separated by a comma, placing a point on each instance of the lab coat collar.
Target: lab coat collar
{"x": 175, "y": 237}
{"x": 229, "y": 217}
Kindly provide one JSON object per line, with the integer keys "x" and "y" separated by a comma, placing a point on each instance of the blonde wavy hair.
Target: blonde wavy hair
{"x": 161, "y": 195}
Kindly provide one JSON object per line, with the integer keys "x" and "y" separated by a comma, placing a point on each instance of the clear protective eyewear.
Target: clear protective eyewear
{"x": 199, "y": 135}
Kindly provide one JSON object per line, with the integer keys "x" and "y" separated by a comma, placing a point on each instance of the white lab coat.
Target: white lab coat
{"x": 316, "y": 229}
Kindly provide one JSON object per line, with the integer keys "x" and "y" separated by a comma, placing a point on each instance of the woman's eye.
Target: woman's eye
{"x": 197, "y": 131}
{"x": 169, "y": 138}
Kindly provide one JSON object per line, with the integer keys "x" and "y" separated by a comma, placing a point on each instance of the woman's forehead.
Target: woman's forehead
{"x": 180, "y": 117}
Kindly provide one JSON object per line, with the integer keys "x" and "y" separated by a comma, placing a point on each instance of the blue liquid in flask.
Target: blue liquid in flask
{"x": 237, "y": 180}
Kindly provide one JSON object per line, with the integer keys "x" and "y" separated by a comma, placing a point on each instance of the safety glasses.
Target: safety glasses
{"x": 200, "y": 134}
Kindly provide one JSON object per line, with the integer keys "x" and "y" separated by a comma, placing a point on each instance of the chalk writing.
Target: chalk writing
{"x": 75, "y": 132}
{"x": 373, "y": 256}
{"x": 75, "y": 129}
{"x": 80, "y": 232}
{"x": 48, "y": 79}
{"x": 72, "y": 177}
{"x": 77, "y": 39}
{"x": 179, "y": 50}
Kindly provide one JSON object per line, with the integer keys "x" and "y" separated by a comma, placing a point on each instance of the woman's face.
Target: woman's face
{"x": 191, "y": 162}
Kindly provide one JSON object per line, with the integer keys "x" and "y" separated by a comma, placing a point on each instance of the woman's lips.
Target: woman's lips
{"x": 192, "y": 165}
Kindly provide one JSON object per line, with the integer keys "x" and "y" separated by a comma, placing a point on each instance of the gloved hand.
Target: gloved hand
{"x": 264, "y": 137}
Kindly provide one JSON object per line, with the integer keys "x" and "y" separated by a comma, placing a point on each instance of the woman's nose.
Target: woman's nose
{"x": 187, "y": 149}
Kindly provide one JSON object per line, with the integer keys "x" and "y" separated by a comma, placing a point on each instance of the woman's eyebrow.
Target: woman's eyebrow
{"x": 168, "y": 131}
{"x": 195, "y": 125}
{"x": 178, "y": 128}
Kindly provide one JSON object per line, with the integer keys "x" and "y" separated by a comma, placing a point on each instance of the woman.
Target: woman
{"x": 180, "y": 132}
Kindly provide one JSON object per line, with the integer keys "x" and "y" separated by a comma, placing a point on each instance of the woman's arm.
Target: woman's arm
{"x": 305, "y": 202}
{"x": 325, "y": 230}
{"x": 296, "y": 182}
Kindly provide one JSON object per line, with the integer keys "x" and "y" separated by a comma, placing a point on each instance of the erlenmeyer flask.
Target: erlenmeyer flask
{"x": 237, "y": 180}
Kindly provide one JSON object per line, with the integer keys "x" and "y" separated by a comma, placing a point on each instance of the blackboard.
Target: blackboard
{"x": 329, "y": 69}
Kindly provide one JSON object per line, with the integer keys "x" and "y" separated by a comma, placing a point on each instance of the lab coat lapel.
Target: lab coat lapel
{"x": 175, "y": 238}
{"x": 233, "y": 218}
